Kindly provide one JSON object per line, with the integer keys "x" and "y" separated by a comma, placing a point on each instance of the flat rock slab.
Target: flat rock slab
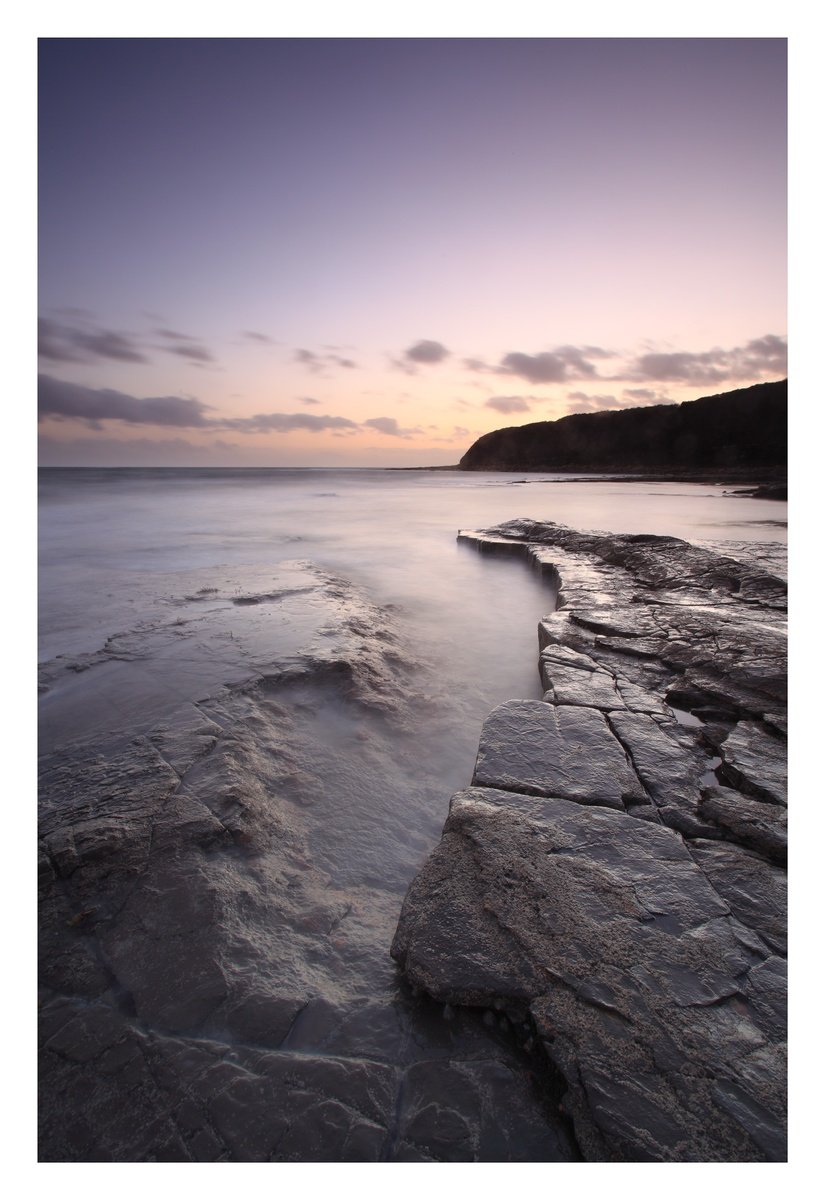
{"x": 566, "y": 684}
{"x": 750, "y": 823}
{"x": 757, "y": 761}
{"x": 648, "y": 953}
{"x": 633, "y": 967}
{"x": 555, "y": 750}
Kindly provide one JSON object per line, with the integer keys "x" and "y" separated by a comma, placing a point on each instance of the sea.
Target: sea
{"x": 329, "y": 623}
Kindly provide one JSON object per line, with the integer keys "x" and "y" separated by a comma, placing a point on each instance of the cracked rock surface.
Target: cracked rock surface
{"x": 616, "y": 874}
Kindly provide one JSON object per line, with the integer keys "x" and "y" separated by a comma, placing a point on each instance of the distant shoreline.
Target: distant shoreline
{"x": 772, "y": 479}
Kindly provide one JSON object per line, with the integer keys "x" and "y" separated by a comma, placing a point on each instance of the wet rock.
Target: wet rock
{"x": 630, "y": 963}
{"x": 647, "y": 953}
{"x": 554, "y": 750}
{"x": 751, "y": 823}
{"x": 572, "y": 685}
{"x": 209, "y": 957}
{"x": 756, "y": 891}
{"x": 756, "y": 761}
{"x": 669, "y": 765}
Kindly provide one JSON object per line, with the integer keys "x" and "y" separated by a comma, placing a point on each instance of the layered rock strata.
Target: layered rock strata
{"x": 614, "y": 878}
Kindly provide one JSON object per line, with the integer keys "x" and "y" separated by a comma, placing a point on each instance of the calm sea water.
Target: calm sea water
{"x": 104, "y": 534}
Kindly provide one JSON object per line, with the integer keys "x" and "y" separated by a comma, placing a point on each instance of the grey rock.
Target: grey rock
{"x": 751, "y": 823}
{"x": 756, "y": 760}
{"x": 756, "y": 891}
{"x": 554, "y": 750}
{"x": 630, "y": 963}
{"x": 584, "y": 688}
{"x": 669, "y": 765}
{"x": 651, "y": 968}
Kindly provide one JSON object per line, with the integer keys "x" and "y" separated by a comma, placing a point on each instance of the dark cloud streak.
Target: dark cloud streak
{"x": 186, "y": 347}
{"x": 73, "y": 402}
{"x": 71, "y": 343}
{"x": 317, "y": 363}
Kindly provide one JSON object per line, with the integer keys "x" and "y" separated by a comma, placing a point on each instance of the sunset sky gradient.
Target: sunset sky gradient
{"x": 370, "y": 252}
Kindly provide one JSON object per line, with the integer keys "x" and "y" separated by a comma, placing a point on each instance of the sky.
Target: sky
{"x": 369, "y": 252}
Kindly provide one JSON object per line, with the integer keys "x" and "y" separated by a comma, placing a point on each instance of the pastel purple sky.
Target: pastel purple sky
{"x": 370, "y": 252}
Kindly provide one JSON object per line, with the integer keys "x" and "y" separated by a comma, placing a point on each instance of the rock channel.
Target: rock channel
{"x": 615, "y": 875}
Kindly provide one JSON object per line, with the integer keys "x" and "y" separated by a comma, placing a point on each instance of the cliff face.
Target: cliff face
{"x": 742, "y": 429}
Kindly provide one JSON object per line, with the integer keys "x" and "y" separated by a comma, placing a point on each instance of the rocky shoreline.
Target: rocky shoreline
{"x": 232, "y": 801}
{"x": 615, "y": 877}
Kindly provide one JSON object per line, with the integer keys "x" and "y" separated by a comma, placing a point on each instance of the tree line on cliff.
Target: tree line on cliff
{"x": 738, "y": 430}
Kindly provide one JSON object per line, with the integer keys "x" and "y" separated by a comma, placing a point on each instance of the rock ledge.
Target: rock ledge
{"x": 615, "y": 874}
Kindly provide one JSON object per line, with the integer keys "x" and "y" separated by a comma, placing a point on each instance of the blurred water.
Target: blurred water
{"x": 104, "y": 534}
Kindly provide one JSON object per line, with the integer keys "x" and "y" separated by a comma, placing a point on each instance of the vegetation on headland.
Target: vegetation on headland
{"x": 738, "y": 434}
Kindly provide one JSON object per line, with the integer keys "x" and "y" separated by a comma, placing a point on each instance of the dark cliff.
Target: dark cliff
{"x": 741, "y": 430}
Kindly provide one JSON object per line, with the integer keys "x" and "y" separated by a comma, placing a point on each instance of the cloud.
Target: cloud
{"x": 72, "y": 401}
{"x": 261, "y": 339}
{"x": 426, "y": 351}
{"x": 285, "y": 423}
{"x": 767, "y": 355}
{"x": 317, "y": 363}
{"x": 561, "y": 365}
{"x": 308, "y": 400}
{"x": 507, "y": 404}
{"x": 390, "y": 427}
{"x": 83, "y": 341}
{"x": 557, "y": 366}
{"x": 185, "y": 347}
{"x": 59, "y": 342}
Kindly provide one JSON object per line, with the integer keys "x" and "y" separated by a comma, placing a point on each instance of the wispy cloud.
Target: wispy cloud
{"x": 390, "y": 427}
{"x": 766, "y": 355}
{"x": 72, "y": 401}
{"x": 81, "y": 340}
{"x": 260, "y": 339}
{"x": 507, "y": 404}
{"x": 285, "y": 423}
{"x": 84, "y": 342}
{"x": 65, "y": 401}
{"x": 318, "y": 364}
{"x": 185, "y": 346}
